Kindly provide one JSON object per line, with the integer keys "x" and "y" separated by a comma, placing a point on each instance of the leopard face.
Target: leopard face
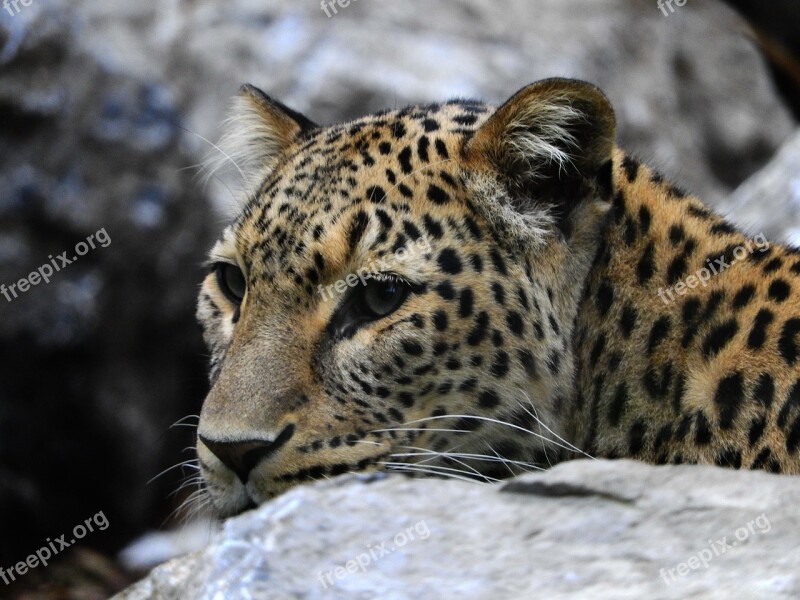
{"x": 400, "y": 291}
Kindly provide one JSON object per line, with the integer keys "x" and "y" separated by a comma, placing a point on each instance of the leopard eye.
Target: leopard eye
{"x": 231, "y": 281}
{"x": 381, "y": 297}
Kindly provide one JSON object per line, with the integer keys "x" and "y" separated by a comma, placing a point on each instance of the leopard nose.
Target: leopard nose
{"x": 241, "y": 457}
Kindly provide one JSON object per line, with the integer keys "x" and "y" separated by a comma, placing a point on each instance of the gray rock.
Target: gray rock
{"x": 769, "y": 202}
{"x": 585, "y": 529}
{"x": 692, "y": 93}
{"x": 100, "y": 361}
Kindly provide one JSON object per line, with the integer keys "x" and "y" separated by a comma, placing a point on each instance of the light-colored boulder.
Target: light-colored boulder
{"x": 692, "y": 93}
{"x": 769, "y": 202}
{"x": 585, "y": 529}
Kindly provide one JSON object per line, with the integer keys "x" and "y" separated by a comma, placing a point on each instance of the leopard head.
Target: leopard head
{"x": 398, "y": 292}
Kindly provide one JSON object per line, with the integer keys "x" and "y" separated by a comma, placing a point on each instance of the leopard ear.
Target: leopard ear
{"x": 549, "y": 145}
{"x": 258, "y": 131}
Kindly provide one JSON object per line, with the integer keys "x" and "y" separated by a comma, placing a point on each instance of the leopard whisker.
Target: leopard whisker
{"x": 477, "y": 457}
{"x": 211, "y": 172}
{"x": 460, "y": 462}
{"x": 180, "y": 422}
{"x": 536, "y": 418}
{"x": 197, "y": 509}
{"x": 544, "y": 426}
{"x": 190, "y": 507}
{"x": 368, "y": 442}
{"x": 505, "y": 462}
{"x": 187, "y": 463}
{"x": 491, "y": 420}
{"x": 419, "y": 429}
{"x": 471, "y": 457}
{"x": 196, "y": 480}
{"x": 433, "y": 470}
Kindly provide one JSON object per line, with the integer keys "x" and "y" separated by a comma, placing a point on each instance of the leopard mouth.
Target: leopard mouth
{"x": 230, "y": 496}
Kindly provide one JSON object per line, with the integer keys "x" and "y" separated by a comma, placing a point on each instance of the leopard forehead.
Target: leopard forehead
{"x": 371, "y": 185}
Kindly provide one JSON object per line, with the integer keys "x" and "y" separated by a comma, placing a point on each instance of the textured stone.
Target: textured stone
{"x": 589, "y": 529}
{"x": 100, "y": 361}
{"x": 693, "y": 96}
{"x": 769, "y": 202}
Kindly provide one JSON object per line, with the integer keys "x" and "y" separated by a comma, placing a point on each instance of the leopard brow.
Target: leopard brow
{"x": 214, "y": 259}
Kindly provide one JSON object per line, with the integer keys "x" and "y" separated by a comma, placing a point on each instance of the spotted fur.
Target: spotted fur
{"x": 533, "y": 330}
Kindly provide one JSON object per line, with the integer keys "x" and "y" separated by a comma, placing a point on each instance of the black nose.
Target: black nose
{"x": 241, "y": 457}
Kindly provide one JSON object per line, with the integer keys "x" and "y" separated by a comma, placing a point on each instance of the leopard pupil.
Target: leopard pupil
{"x": 384, "y": 297}
{"x": 233, "y": 282}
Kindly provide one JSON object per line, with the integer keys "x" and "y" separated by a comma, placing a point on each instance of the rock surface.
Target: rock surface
{"x": 773, "y": 191}
{"x": 692, "y": 93}
{"x": 100, "y": 361}
{"x": 585, "y": 529}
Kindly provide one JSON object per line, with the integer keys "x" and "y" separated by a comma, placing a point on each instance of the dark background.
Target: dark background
{"x": 103, "y": 107}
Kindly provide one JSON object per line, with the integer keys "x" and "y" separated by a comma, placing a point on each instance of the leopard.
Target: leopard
{"x": 473, "y": 291}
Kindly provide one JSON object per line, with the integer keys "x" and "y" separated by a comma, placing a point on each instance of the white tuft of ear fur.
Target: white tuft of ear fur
{"x": 552, "y": 129}
{"x": 534, "y": 227}
{"x": 549, "y": 149}
{"x": 539, "y": 137}
{"x": 257, "y": 133}
{"x": 249, "y": 144}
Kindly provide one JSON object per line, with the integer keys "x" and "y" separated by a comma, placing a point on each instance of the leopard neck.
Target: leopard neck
{"x": 659, "y": 305}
